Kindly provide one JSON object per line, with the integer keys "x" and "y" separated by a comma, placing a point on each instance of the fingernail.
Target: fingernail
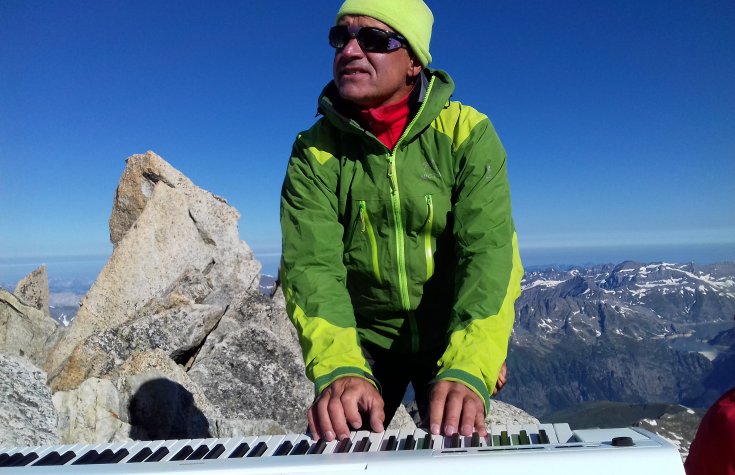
{"x": 329, "y": 435}
{"x": 435, "y": 429}
{"x": 344, "y": 436}
{"x": 449, "y": 430}
{"x": 466, "y": 430}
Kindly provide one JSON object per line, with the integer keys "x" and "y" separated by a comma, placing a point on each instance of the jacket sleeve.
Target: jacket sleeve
{"x": 489, "y": 271}
{"x": 312, "y": 271}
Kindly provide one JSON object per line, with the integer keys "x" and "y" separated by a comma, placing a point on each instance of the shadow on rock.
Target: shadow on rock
{"x": 162, "y": 409}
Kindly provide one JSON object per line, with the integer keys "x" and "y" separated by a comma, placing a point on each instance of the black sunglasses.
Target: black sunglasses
{"x": 372, "y": 40}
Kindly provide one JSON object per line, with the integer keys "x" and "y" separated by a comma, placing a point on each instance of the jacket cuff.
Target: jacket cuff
{"x": 321, "y": 383}
{"x": 476, "y": 384}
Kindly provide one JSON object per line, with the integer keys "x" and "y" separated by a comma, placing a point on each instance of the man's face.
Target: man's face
{"x": 372, "y": 79}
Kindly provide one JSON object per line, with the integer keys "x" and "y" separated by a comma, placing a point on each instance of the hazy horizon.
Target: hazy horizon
{"x": 85, "y": 268}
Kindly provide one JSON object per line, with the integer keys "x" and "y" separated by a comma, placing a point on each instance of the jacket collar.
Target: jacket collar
{"x": 429, "y": 103}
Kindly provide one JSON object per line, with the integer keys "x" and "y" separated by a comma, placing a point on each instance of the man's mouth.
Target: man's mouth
{"x": 352, "y": 71}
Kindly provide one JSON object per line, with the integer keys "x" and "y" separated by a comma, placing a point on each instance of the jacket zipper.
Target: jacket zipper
{"x": 396, "y": 205}
{"x": 366, "y": 226}
{"x": 427, "y": 239}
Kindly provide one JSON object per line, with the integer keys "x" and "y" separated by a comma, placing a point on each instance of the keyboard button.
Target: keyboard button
{"x": 216, "y": 451}
{"x": 392, "y": 444}
{"x": 319, "y": 447}
{"x": 283, "y": 449}
{"x": 183, "y": 453}
{"x": 301, "y": 448}
{"x": 199, "y": 453}
{"x": 158, "y": 455}
{"x": 363, "y": 445}
{"x": 343, "y": 446}
{"x": 240, "y": 451}
{"x": 86, "y": 458}
{"x": 142, "y": 454}
{"x": 258, "y": 450}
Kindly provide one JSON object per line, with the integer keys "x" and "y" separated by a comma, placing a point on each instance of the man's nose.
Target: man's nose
{"x": 352, "y": 48}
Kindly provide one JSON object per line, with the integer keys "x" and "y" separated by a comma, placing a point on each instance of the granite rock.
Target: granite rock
{"x": 27, "y": 415}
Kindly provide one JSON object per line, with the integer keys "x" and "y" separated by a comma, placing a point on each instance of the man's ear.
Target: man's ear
{"x": 414, "y": 68}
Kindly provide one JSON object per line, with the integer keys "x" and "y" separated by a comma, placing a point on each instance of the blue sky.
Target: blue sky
{"x": 618, "y": 116}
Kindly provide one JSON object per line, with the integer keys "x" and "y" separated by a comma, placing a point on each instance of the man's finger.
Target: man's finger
{"x": 468, "y": 418}
{"x": 377, "y": 415}
{"x": 322, "y": 416}
{"x": 313, "y": 426}
{"x": 336, "y": 412}
{"x": 351, "y": 410}
{"x": 452, "y": 411}
{"x": 480, "y": 426}
{"x": 436, "y": 407}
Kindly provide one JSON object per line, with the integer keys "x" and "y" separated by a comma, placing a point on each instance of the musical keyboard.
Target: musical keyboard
{"x": 551, "y": 448}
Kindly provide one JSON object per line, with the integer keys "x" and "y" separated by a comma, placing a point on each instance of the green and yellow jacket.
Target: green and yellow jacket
{"x": 412, "y": 248}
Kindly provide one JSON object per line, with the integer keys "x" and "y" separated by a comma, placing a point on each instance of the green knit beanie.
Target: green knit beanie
{"x": 410, "y": 18}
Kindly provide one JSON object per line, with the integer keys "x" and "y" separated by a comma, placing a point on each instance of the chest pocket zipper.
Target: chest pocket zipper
{"x": 428, "y": 249}
{"x": 367, "y": 227}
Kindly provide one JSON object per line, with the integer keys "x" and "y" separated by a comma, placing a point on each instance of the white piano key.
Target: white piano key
{"x": 564, "y": 433}
{"x": 329, "y": 448}
{"x": 376, "y": 440}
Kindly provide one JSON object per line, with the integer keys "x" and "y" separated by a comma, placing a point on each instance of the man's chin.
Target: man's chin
{"x": 354, "y": 95}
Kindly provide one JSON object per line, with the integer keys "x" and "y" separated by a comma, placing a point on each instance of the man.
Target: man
{"x": 400, "y": 260}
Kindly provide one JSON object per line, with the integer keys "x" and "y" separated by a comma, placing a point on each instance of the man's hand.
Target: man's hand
{"x": 454, "y": 406}
{"x": 341, "y": 406}
{"x": 502, "y": 379}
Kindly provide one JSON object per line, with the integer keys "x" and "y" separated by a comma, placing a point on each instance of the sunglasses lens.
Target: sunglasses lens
{"x": 373, "y": 40}
{"x": 338, "y": 36}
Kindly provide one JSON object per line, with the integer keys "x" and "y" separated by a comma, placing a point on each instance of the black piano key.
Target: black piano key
{"x": 199, "y": 453}
{"x": 105, "y": 456}
{"x": 3, "y": 458}
{"x": 183, "y": 453}
{"x": 343, "y": 446}
{"x": 543, "y": 437}
{"x": 240, "y": 451}
{"x": 28, "y": 458}
{"x": 143, "y": 454}
{"x": 504, "y": 439}
{"x": 524, "y": 439}
{"x": 301, "y": 448}
{"x": 86, "y": 458}
{"x": 363, "y": 445}
{"x": 392, "y": 444}
{"x": 258, "y": 450}
{"x": 283, "y": 449}
{"x": 10, "y": 461}
{"x": 454, "y": 441}
{"x": 475, "y": 442}
{"x": 319, "y": 447}
{"x": 410, "y": 443}
{"x": 158, "y": 455}
{"x": 48, "y": 459}
{"x": 119, "y": 455}
{"x": 427, "y": 442}
{"x": 216, "y": 451}
{"x": 65, "y": 457}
